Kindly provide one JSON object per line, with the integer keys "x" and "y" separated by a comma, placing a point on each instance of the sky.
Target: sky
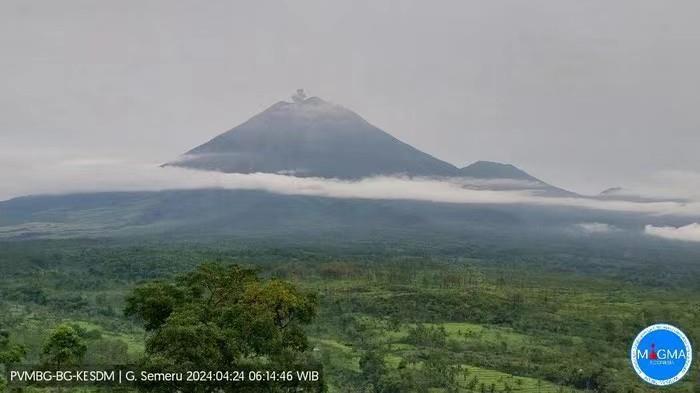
{"x": 585, "y": 95}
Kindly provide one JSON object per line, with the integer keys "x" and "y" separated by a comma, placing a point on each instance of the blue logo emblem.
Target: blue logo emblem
{"x": 661, "y": 354}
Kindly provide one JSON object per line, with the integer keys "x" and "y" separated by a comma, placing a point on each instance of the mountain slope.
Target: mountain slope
{"x": 495, "y": 170}
{"x": 209, "y": 213}
{"x": 311, "y": 137}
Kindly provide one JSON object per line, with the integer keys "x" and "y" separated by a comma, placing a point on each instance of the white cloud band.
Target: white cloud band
{"x": 689, "y": 232}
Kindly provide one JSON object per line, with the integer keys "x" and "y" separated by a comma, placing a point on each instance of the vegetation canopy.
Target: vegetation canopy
{"x": 222, "y": 318}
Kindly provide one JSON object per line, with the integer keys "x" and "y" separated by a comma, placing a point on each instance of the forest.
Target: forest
{"x": 372, "y": 317}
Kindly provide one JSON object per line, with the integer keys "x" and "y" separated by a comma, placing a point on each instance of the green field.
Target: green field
{"x": 436, "y": 323}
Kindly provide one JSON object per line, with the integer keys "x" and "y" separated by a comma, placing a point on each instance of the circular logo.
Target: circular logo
{"x": 661, "y": 354}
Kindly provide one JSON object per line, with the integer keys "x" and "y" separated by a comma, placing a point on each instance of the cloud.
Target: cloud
{"x": 86, "y": 174}
{"x": 689, "y": 232}
{"x": 668, "y": 184}
{"x": 596, "y": 227}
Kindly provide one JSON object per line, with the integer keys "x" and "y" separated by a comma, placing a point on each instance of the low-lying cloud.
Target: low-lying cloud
{"x": 596, "y": 227}
{"x": 689, "y": 232}
{"x": 665, "y": 184}
{"x": 97, "y": 175}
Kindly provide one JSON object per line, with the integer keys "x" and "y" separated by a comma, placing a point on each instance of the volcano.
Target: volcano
{"x": 310, "y": 137}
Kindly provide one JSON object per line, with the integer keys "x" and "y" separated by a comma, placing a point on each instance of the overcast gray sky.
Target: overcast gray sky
{"x": 583, "y": 94}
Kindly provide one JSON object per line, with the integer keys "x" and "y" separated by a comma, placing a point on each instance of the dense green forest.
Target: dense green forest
{"x": 371, "y": 317}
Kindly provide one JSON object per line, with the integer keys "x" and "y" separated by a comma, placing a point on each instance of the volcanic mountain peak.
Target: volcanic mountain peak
{"x": 312, "y": 137}
{"x": 312, "y": 108}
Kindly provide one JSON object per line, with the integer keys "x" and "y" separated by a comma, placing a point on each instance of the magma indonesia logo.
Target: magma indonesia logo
{"x": 661, "y": 354}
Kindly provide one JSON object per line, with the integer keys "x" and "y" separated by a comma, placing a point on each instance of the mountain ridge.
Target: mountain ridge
{"x": 311, "y": 137}
{"x": 495, "y": 170}
{"x": 240, "y": 213}
{"x": 521, "y": 180}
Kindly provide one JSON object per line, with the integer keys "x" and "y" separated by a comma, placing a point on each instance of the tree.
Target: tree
{"x": 378, "y": 378}
{"x": 9, "y": 353}
{"x": 438, "y": 370}
{"x": 107, "y": 351}
{"x": 64, "y": 347}
{"x": 373, "y": 368}
{"x": 218, "y": 317}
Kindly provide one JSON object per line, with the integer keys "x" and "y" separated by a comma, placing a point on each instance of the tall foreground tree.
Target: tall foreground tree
{"x": 64, "y": 347}
{"x": 223, "y": 318}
